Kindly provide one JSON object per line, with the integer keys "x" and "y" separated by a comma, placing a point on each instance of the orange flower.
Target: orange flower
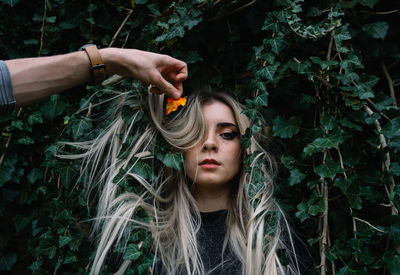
{"x": 173, "y": 104}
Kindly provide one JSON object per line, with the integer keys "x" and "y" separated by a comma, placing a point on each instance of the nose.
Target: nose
{"x": 210, "y": 144}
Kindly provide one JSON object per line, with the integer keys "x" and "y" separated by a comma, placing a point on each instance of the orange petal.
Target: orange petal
{"x": 173, "y": 104}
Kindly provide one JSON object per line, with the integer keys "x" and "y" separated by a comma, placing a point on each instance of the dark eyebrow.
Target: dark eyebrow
{"x": 226, "y": 124}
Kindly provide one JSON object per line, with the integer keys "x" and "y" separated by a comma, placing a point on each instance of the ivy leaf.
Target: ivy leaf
{"x": 377, "y": 30}
{"x": 329, "y": 122}
{"x": 392, "y": 128}
{"x": 262, "y": 99}
{"x": 346, "y": 122}
{"x": 352, "y": 60}
{"x": 53, "y": 107}
{"x": 317, "y": 208}
{"x": 329, "y": 169}
{"x": 70, "y": 258}
{"x": 277, "y": 43}
{"x": 324, "y": 64}
{"x": 35, "y": 266}
{"x": 392, "y": 262}
{"x": 288, "y": 161}
{"x": 35, "y": 118}
{"x": 395, "y": 169}
{"x": 34, "y": 175}
{"x": 63, "y": 240}
{"x": 295, "y": 176}
{"x": 8, "y": 261}
{"x": 20, "y": 222}
{"x": 302, "y": 211}
{"x": 132, "y": 252}
{"x": 268, "y": 72}
{"x": 6, "y": 173}
{"x": 176, "y": 31}
{"x": 286, "y": 128}
{"x": 10, "y": 2}
{"x": 368, "y": 3}
{"x": 81, "y": 126}
{"x": 172, "y": 160}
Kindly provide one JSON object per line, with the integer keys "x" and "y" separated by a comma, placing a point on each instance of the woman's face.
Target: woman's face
{"x": 215, "y": 162}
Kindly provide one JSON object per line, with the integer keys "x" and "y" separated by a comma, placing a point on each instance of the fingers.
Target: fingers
{"x": 163, "y": 86}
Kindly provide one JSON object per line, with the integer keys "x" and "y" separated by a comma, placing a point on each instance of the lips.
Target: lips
{"x": 209, "y": 164}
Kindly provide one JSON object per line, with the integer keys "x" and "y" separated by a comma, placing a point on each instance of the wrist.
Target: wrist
{"x": 120, "y": 61}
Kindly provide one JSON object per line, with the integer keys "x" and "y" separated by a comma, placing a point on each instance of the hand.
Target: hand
{"x": 163, "y": 72}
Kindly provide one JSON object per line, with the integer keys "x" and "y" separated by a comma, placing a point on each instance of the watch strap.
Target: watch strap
{"x": 97, "y": 67}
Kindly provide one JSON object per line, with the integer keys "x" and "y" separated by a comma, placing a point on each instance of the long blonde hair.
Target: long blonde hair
{"x": 250, "y": 234}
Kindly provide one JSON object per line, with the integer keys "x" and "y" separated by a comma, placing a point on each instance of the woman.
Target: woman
{"x": 205, "y": 221}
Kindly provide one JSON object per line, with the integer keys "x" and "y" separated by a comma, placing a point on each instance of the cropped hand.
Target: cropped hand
{"x": 163, "y": 72}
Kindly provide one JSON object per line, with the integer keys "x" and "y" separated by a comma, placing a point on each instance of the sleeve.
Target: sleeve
{"x": 7, "y": 100}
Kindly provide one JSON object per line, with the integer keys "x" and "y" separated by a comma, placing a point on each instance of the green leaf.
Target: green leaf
{"x": 368, "y": 3}
{"x": 176, "y": 31}
{"x": 346, "y": 122}
{"x": 286, "y": 128}
{"x": 277, "y": 43}
{"x": 324, "y": 64}
{"x": 288, "y": 161}
{"x": 6, "y": 173}
{"x": 132, "y": 252}
{"x": 25, "y": 140}
{"x": 302, "y": 211}
{"x": 51, "y": 19}
{"x": 347, "y": 271}
{"x": 392, "y": 128}
{"x": 34, "y": 175}
{"x": 262, "y": 99}
{"x": 35, "y": 118}
{"x": 268, "y": 72}
{"x": 10, "y": 2}
{"x": 20, "y": 222}
{"x": 53, "y": 107}
{"x": 392, "y": 262}
{"x": 8, "y": 261}
{"x": 50, "y": 252}
{"x": 295, "y": 176}
{"x": 329, "y": 122}
{"x": 63, "y": 240}
{"x": 377, "y": 30}
{"x": 172, "y": 160}
{"x": 35, "y": 266}
{"x": 317, "y": 208}
{"x": 328, "y": 169}
{"x": 82, "y": 126}
{"x": 70, "y": 258}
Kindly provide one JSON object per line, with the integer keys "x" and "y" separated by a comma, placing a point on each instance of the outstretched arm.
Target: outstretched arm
{"x": 37, "y": 78}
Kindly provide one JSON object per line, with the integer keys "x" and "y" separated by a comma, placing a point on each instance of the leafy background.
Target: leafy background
{"x": 319, "y": 78}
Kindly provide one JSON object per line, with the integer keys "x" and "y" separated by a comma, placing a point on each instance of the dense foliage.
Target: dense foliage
{"x": 319, "y": 79}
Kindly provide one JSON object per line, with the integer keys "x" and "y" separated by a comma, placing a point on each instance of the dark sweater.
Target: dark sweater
{"x": 210, "y": 239}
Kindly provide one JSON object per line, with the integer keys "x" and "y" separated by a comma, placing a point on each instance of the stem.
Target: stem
{"x": 390, "y": 82}
{"x": 42, "y": 27}
{"x": 367, "y": 223}
{"x": 120, "y": 28}
{"x": 324, "y": 237}
{"x": 386, "y": 162}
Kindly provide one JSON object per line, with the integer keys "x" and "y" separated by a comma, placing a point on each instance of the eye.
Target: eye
{"x": 229, "y": 135}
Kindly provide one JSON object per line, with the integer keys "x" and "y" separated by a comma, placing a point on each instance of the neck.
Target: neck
{"x": 211, "y": 199}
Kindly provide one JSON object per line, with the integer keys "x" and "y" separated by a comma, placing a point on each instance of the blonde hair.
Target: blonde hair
{"x": 250, "y": 234}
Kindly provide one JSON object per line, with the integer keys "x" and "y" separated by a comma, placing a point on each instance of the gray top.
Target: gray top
{"x": 7, "y": 100}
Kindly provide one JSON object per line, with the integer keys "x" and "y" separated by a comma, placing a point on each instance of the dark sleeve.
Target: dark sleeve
{"x": 7, "y": 100}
